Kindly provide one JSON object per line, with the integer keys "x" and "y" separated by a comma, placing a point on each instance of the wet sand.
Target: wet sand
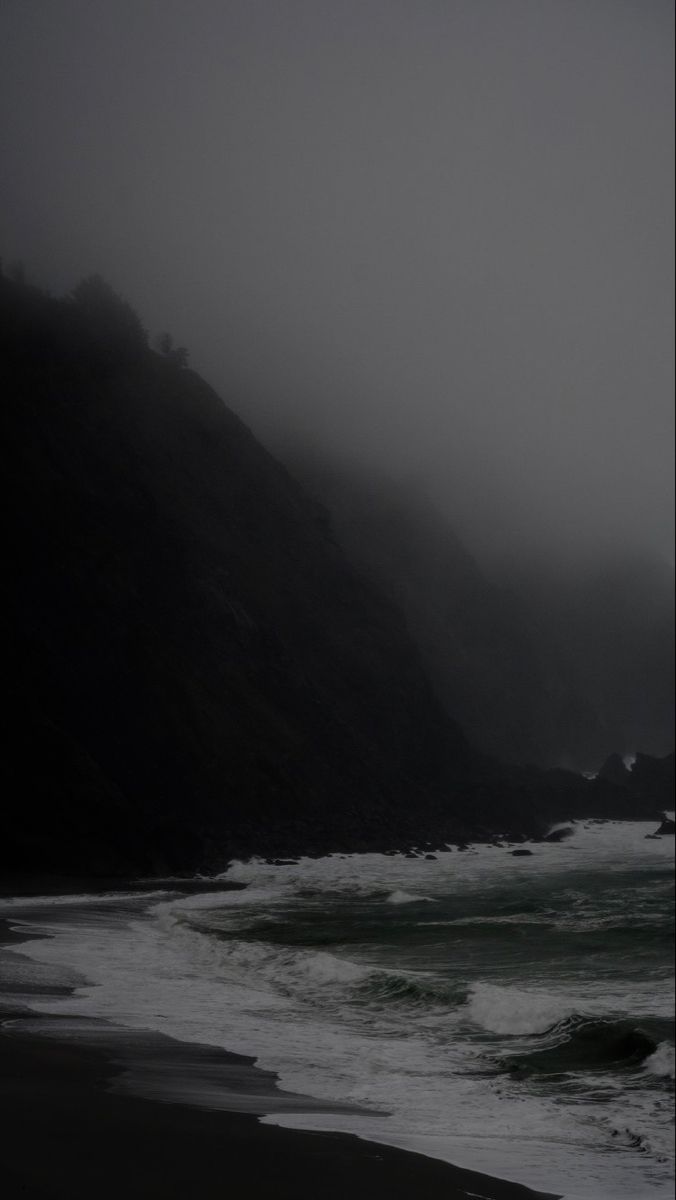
{"x": 88, "y": 1111}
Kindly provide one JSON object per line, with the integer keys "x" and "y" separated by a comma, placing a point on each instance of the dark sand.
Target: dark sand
{"x": 73, "y": 1127}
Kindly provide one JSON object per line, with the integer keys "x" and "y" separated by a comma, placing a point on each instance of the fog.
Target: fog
{"x": 432, "y": 236}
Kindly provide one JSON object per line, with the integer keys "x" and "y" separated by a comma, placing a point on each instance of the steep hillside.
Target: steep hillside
{"x": 194, "y": 670}
{"x": 193, "y": 659}
{"x": 555, "y": 672}
{"x": 609, "y": 632}
{"x": 478, "y": 642}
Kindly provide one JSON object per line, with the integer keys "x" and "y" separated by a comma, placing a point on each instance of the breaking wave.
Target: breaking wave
{"x": 662, "y": 1062}
{"x": 510, "y": 1010}
{"x": 399, "y": 897}
{"x": 583, "y": 1045}
{"x": 537, "y": 1001}
{"x": 284, "y": 970}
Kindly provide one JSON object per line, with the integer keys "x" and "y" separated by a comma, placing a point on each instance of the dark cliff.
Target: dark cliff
{"x": 475, "y": 641}
{"x": 193, "y": 663}
{"x": 558, "y": 672}
{"x": 194, "y": 670}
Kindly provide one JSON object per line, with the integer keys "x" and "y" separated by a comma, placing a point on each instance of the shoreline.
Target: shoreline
{"x": 69, "y": 1137}
{"x": 107, "y": 1112}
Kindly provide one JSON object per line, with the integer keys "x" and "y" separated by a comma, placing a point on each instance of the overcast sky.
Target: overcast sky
{"x": 433, "y": 233}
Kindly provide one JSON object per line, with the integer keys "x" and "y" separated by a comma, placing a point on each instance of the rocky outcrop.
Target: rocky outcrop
{"x": 652, "y": 779}
{"x": 615, "y": 771}
{"x": 649, "y": 780}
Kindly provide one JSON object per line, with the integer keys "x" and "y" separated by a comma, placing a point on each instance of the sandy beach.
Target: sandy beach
{"x": 74, "y": 1127}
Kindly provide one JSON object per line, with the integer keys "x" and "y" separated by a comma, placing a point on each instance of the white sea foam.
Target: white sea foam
{"x": 190, "y": 969}
{"x": 614, "y": 845}
{"x": 15, "y": 903}
{"x": 510, "y": 1010}
{"x": 497, "y": 919}
{"x": 326, "y": 968}
{"x": 663, "y": 1062}
{"x": 400, "y": 897}
{"x": 289, "y": 969}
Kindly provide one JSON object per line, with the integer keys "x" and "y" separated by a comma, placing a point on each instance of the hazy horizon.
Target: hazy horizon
{"x": 437, "y": 239}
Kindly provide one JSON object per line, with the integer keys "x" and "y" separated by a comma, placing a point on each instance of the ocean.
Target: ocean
{"x": 510, "y": 1014}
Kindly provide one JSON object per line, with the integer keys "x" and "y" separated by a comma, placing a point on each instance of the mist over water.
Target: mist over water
{"x": 435, "y": 239}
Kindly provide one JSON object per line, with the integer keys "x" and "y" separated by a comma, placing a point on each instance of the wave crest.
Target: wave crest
{"x": 662, "y": 1062}
{"x": 512, "y": 1011}
{"x": 400, "y": 897}
{"x": 580, "y": 1045}
{"x": 392, "y": 988}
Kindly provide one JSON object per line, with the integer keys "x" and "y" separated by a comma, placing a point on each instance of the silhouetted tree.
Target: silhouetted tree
{"x": 178, "y": 355}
